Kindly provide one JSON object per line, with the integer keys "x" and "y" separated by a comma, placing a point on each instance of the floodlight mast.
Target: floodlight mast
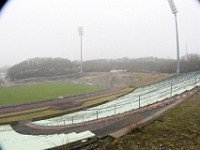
{"x": 174, "y": 11}
{"x": 80, "y": 29}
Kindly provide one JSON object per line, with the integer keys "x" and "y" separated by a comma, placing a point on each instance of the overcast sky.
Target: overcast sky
{"x": 112, "y": 29}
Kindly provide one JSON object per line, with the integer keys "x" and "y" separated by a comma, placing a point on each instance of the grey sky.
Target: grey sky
{"x": 112, "y": 29}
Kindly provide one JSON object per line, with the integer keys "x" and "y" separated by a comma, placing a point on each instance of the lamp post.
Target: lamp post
{"x": 174, "y": 11}
{"x": 80, "y": 29}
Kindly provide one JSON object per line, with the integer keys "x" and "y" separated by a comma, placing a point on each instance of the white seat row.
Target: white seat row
{"x": 140, "y": 97}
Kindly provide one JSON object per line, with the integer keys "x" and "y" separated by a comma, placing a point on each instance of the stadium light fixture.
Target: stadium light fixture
{"x": 80, "y": 29}
{"x": 174, "y": 11}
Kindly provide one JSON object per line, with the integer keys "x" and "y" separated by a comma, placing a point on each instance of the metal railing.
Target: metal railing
{"x": 140, "y": 97}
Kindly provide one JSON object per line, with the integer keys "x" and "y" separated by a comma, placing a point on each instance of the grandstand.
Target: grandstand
{"x": 139, "y": 98}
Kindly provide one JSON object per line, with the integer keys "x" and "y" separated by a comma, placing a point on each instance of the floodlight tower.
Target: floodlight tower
{"x": 174, "y": 11}
{"x": 80, "y": 29}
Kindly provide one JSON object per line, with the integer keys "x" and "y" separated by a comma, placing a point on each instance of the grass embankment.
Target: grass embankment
{"x": 26, "y": 93}
{"x": 45, "y": 111}
{"x": 178, "y": 129}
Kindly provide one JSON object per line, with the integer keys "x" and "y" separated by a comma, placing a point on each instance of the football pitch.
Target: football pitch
{"x": 34, "y": 92}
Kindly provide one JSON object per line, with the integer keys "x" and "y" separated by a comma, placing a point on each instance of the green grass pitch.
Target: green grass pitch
{"x": 19, "y": 94}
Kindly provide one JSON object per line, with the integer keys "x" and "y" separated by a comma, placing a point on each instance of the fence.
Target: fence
{"x": 140, "y": 97}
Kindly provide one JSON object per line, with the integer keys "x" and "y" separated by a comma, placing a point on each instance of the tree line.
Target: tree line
{"x": 46, "y": 67}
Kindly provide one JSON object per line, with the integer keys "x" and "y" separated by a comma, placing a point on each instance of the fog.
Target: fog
{"x": 112, "y": 29}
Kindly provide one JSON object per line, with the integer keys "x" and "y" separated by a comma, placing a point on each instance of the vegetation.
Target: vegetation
{"x": 18, "y": 94}
{"x": 178, "y": 129}
{"x": 42, "y": 67}
{"x": 48, "y": 67}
